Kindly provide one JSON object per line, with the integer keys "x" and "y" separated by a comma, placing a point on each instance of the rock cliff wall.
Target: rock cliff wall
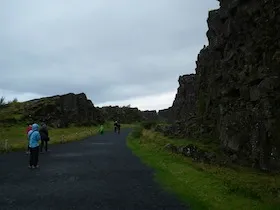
{"x": 122, "y": 114}
{"x": 62, "y": 110}
{"x": 237, "y": 85}
{"x": 183, "y": 106}
{"x": 166, "y": 115}
{"x": 150, "y": 115}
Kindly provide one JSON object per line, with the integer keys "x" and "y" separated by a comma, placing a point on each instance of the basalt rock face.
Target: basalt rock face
{"x": 237, "y": 84}
{"x": 150, "y": 115}
{"x": 122, "y": 114}
{"x": 63, "y": 110}
{"x": 183, "y": 106}
{"x": 166, "y": 115}
{"x": 237, "y": 80}
{"x": 127, "y": 114}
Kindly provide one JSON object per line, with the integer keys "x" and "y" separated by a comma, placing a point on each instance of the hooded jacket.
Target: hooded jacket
{"x": 34, "y": 136}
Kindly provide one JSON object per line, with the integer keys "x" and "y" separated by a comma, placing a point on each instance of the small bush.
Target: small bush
{"x": 137, "y": 132}
{"x": 148, "y": 125}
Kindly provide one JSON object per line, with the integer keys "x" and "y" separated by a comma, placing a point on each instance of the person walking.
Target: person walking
{"x": 34, "y": 138}
{"x": 44, "y": 133}
{"x": 117, "y": 127}
{"x": 101, "y": 129}
{"x": 29, "y": 128}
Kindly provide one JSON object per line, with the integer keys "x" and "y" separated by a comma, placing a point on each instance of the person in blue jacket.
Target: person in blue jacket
{"x": 34, "y": 139}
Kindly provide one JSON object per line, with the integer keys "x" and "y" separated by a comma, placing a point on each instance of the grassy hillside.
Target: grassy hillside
{"x": 11, "y": 113}
{"x": 205, "y": 186}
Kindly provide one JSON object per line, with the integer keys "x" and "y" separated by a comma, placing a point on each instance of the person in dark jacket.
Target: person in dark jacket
{"x": 44, "y": 133}
{"x": 117, "y": 127}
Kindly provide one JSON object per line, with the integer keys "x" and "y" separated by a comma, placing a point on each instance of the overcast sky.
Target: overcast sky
{"x": 115, "y": 51}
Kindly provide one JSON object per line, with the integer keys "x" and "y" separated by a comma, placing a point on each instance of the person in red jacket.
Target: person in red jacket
{"x": 29, "y": 128}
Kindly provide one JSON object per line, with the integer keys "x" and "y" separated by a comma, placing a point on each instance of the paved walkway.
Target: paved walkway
{"x": 99, "y": 172}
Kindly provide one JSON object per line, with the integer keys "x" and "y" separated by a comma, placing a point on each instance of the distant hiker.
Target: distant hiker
{"x": 34, "y": 138}
{"x": 101, "y": 129}
{"x": 29, "y": 128}
{"x": 117, "y": 126}
{"x": 44, "y": 133}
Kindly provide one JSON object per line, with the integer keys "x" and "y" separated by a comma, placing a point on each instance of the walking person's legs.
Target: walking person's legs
{"x": 36, "y": 157}
{"x": 46, "y": 146}
{"x": 31, "y": 158}
{"x": 42, "y": 145}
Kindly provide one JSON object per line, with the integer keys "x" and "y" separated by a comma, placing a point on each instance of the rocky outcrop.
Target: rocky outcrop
{"x": 127, "y": 114}
{"x": 150, "y": 115}
{"x": 183, "y": 106}
{"x": 62, "y": 110}
{"x": 174, "y": 129}
{"x": 123, "y": 114}
{"x": 237, "y": 84}
{"x": 166, "y": 115}
{"x": 196, "y": 154}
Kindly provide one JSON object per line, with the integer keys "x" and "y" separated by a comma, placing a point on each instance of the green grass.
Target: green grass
{"x": 17, "y": 139}
{"x": 204, "y": 186}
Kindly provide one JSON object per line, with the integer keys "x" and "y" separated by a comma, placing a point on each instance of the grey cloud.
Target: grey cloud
{"x": 111, "y": 50}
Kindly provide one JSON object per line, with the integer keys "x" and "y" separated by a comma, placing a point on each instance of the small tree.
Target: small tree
{"x": 2, "y": 101}
{"x": 15, "y": 100}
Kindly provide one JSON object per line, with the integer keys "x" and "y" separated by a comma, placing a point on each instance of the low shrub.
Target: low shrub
{"x": 137, "y": 132}
{"x": 148, "y": 125}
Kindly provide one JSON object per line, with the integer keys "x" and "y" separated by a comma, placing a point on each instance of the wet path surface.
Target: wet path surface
{"x": 99, "y": 172}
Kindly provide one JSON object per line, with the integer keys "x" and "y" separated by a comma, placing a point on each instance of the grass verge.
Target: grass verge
{"x": 17, "y": 140}
{"x": 204, "y": 186}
